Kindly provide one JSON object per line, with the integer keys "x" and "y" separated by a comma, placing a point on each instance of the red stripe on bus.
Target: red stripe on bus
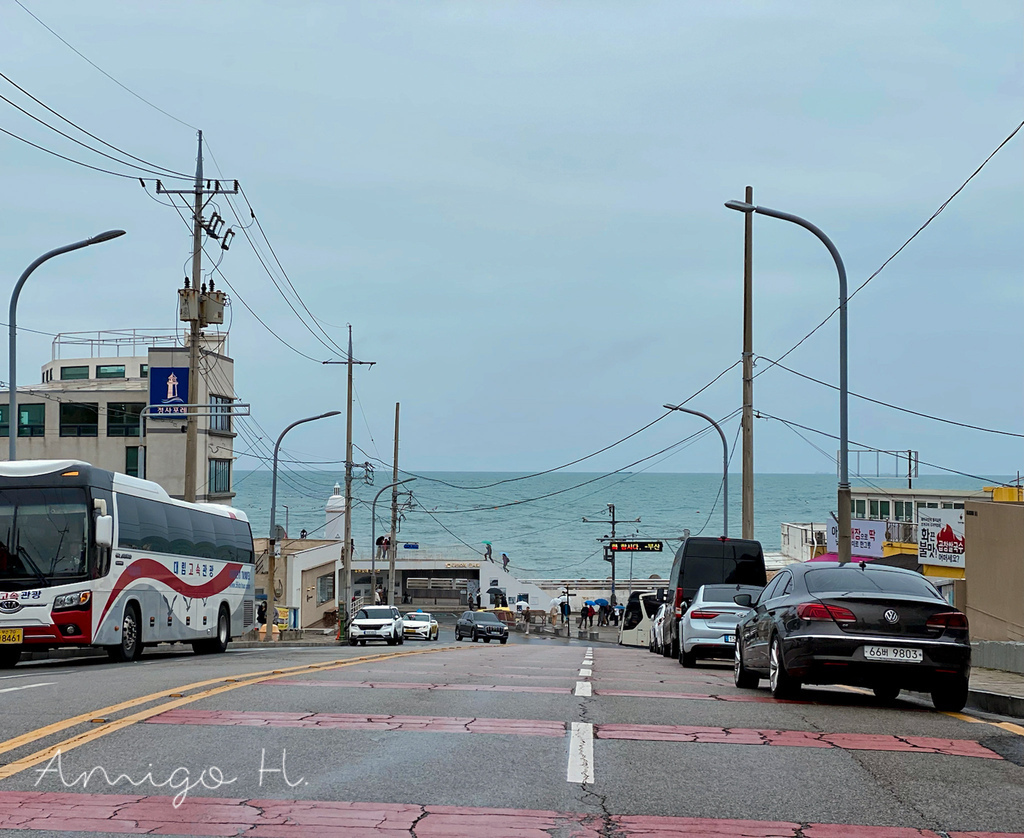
{"x": 151, "y": 569}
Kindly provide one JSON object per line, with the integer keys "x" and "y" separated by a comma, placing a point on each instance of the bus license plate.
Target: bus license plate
{"x": 10, "y": 635}
{"x": 901, "y": 654}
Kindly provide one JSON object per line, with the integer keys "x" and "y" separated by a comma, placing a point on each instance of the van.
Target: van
{"x": 635, "y": 628}
{"x": 706, "y": 560}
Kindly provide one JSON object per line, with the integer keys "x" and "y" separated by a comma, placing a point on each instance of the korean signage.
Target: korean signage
{"x": 636, "y": 546}
{"x": 168, "y": 390}
{"x": 940, "y": 537}
{"x": 866, "y": 538}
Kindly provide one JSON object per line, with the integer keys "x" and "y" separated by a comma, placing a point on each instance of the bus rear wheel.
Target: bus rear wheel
{"x": 130, "y": 647}
{"x": 219, "y": 643}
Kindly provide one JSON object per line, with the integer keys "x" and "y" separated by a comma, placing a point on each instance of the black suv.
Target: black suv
{"x": 481, "y": 625}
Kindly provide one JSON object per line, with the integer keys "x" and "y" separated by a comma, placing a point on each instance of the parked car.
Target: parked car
{"x": 879, "y": 627}
{"x": 420, "y": 625}
{"x": 657, "y": 626}
{"x": 708, "y": 627}
{"x": 481, "y": 625}
{"x": 376, "y": 622}
{"x": 705, "y": 560}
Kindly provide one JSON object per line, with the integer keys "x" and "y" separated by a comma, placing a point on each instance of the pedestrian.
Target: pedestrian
{"x": 302, "y": 534}
{"x": 261, "y": 613}
{"x": 526, "y": 618}
{"x": 590, "y": 616}
{"x": 566, "y": 611}
{"x": 487, "y": 551}
{"x": 504, "y": 561}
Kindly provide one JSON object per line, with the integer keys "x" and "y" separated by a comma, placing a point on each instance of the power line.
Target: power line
{"x": 63, "y": 157}
{"x": 899, "y": 250}
{"x": 104, "y": 72}
{"x": 760, "y": 414}
{"x": 895, "y": 406}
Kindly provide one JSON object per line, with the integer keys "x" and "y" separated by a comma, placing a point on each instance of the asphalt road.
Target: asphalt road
{"x": 539, "y": 737}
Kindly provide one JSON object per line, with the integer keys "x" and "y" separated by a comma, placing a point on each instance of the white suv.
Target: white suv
{"x": 377, "y": 622}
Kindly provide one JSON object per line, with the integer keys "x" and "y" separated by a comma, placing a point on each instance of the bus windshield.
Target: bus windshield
{"x": 44, "y": 537}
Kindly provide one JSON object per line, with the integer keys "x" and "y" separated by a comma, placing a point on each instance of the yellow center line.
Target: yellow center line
{"x": 229, "y": 684}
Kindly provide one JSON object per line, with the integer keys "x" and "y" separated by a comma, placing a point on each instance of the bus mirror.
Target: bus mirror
{"x": 662, "y": 595}
{"x": 104, "y": 531}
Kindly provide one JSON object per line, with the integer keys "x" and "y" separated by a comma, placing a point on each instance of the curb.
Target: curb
{"x": 997, "y": 703}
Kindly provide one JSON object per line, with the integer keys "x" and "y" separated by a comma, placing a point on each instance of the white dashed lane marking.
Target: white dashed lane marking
{"x": 581, "y": 754}
{"x": 583, "y": 689}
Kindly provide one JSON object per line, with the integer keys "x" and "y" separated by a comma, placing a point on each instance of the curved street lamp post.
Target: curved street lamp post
{"x": 844, "y": 445}
{"x": 725, "y": 463}
{"x": 12, "y": 332}
{"x": 271, "y": 559}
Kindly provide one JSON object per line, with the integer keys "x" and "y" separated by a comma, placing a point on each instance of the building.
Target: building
{"x": 91, "y": 399}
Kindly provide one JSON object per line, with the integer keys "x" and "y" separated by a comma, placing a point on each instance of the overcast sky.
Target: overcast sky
{"x": 519, "y": 209}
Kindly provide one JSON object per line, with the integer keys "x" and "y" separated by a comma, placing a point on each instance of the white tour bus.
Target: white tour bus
{"x": 93, "y": 558}
{"x": 635, "y": 628}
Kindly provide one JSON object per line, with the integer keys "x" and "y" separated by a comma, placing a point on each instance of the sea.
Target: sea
{"x": 538, "y": 520}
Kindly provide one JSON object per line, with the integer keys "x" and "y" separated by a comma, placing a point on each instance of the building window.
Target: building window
{"x": 873, "y": 514}
{"x": 124, "y": 418}
{"x": 73, "y": 373}
{"x": 220, "y": 477}
{"x": 5, "y": 422}
{"x": 858, "y": 509}
{"x": 31, "y": 420}
{"x": 883, "y": 510}
{"x": 220, "y": 413}
{"x": 144, "y": 370}
{"x": 79, "y": 419}
{"x": 113, "y": 371}
{"x": 131, "y": 461}
{"x": 325, "y": 588}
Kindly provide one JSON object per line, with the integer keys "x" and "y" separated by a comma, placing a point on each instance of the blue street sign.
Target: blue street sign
{"x": 411, "y": 545}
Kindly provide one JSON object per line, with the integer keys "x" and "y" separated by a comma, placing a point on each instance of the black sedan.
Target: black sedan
{"x": 481, "y": 625}
{"x": 873, "y": 626}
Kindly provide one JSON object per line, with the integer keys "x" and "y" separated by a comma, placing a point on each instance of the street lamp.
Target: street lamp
{"x": 725, "y": 463}
{"x": 373, "y": 532}
{"x": 12, "y": 332}
{"x": 271, "y": 612}
{"x": 844, "y": 444}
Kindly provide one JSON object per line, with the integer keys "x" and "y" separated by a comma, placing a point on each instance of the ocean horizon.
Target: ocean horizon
{"x": 538, "y": 519}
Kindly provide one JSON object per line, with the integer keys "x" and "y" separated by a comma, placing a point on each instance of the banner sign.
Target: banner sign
{"x": 168, "y": 390}
{"x": 940, "y": 537}
{"x": 636, "y": 546}
{"x": 866, "y": 537}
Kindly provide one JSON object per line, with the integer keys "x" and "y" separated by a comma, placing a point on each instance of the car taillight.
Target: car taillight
{"x": 679, "y": 602}
{"x": 947, "y": 620}
{"x": 820, "y": 611}
{"x": 703, "y": 615}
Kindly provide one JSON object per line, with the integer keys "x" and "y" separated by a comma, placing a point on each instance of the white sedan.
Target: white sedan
{"x": 420, "y": 626}
{"x": 376, "y": 622}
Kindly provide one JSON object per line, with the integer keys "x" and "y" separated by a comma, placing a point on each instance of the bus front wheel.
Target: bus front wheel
{"x": 130, "y": 647}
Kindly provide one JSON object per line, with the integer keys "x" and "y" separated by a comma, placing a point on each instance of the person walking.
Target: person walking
{"x": 487, "y": 551}
{"x": 504, "y": 561}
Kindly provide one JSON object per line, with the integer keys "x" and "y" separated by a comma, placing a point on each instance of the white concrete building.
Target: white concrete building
{"x": 89, "y": 403}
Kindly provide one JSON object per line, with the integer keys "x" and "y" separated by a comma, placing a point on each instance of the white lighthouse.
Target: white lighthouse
{"x": 335, "y": 527}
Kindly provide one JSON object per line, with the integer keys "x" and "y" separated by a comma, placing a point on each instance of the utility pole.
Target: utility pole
{"x": 196, "y": 306}
{"x": 748, "y": 369}
{"x": 392, "y": 544}
{"x": 610, "y": 554}
{"x": 345, "y": 586}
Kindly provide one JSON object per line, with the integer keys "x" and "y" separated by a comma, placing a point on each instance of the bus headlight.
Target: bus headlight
{"x": 76, "y": 600}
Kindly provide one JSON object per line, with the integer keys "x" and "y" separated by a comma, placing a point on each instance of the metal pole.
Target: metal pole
{"x": 373, "y": 530}
{"x": 393, "y": 543}
{"x": 748, "y": 371}
{"x": 725, "y": 463}
{"x": 285, "y": 518}
{"x": 195, "y": 333}
{"x": 271, "y": 559}
{"x": 12, "y": 332}
{"x": 844, "y": 443}
{"x": 346, "y": 550}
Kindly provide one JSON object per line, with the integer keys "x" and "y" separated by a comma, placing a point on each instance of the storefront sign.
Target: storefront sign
{"x": 940, "y": 537}
{"x": 866, "y": 538}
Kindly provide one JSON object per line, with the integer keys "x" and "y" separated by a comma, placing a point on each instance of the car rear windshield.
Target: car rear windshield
{"x": 843, "y": 580}
{"x": 418, "y": 618}
{"x": 725, "y": 593}
{"x": 737, "y": 566}
{"x": 374, "y": 614}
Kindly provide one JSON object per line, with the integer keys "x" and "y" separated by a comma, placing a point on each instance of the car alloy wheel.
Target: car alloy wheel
{"x": 782, "y": 684}
{"x": 741, "y": 676}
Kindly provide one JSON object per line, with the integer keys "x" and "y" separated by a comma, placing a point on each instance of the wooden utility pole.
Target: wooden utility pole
{"x": 748, "y": 369}
{"x": 393, "y": 544}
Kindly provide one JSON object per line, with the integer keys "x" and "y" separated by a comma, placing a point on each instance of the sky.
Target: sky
{"x": 518, "y": 207}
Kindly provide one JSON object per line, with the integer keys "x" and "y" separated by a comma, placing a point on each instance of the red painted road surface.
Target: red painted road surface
{"x": 540, "y": 727}
{"x": 137, "y": 815}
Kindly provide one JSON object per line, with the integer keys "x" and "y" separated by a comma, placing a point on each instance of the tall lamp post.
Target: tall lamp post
{"x": 725, "y": 463}
{"x": 373, "y": 532}
{"x": 12, "y": 331}
{"x": 844, "y": 443}
{"x": 271, "y": 559}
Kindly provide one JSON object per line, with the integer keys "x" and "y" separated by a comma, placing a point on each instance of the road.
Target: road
{"x": 541, "y": 737}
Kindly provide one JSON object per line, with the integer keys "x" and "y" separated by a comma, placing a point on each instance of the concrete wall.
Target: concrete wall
{"x": 994, "y": 535}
